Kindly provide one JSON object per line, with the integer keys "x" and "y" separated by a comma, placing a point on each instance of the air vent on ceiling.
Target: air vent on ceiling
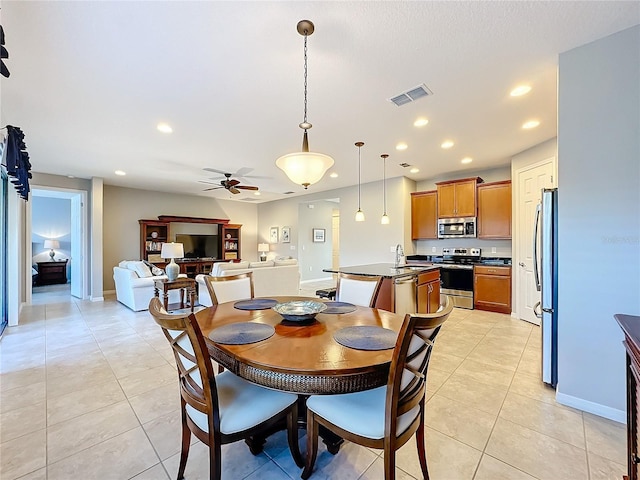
{"x": 405, "y": 165}
{"x": 288, "y": 193}
{"x": 411, "y": 95}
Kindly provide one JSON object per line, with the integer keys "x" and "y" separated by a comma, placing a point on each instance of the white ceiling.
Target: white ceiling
{"x": 90, "y": 81}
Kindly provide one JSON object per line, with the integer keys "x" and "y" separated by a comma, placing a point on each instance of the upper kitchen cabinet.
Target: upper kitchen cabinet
{"x": 494, "y": 210}
{"x": 457, "y": 198}
{"x": 424, "y": 218}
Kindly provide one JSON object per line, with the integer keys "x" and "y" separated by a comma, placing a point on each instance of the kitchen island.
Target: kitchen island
{"x": 404, "y": 289}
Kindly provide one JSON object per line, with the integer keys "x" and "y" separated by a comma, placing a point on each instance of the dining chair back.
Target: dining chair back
{"x": 230, "y": 288}
{"x": 223, "y": 408}
{"x": 385, "y": 417}
{"x": 358, "y": 289}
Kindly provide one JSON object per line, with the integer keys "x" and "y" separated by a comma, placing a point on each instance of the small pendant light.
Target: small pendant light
{"x": 385, "y": 218}
{"x": 359, "y": 213}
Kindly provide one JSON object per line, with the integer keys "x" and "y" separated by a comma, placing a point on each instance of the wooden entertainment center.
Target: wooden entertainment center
{"x": 153, "y": 233}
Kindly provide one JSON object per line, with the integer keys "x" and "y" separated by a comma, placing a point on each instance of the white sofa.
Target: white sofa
{"x": 134, "y": 285}
{"x": 270, "y": 278}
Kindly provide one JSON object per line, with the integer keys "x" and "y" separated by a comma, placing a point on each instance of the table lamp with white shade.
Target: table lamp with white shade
{"x": 172, "y": 250}
{"x": 263, "y": 248}
{"x": 52, "y": 244}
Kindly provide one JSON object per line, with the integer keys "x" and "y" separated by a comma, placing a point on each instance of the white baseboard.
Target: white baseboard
{"x": 592, "y": 407}
{"x": 316, "y": 280}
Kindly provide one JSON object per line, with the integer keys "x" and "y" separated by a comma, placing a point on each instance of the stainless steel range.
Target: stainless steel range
{"x": 456, "y": 274}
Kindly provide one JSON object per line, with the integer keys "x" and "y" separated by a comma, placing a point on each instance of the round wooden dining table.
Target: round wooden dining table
{"x": 302, "y": 358}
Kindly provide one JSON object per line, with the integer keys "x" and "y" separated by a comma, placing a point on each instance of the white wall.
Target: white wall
{"x": 123, "y": 207}
{"x": 599, "y": 218}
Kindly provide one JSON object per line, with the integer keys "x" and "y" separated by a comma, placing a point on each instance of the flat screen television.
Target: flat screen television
{"x": 199, "y": 246}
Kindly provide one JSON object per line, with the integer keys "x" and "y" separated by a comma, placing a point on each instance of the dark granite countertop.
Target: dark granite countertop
{"x": 386, "y": 270}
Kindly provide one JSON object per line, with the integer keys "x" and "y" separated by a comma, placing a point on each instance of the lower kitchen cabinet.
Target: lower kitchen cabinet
{"x": 428, "y": 292}
{"x": 492, "y": 288}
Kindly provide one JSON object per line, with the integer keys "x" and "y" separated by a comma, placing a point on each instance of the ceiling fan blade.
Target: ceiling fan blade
{"x": 212, "y": 188}
{"x": 247, "y": 187}
{"x": 234, "y": 190}
{"x": 242, "y": 171}
{"x": 214, "y": 170}
{"x": 209, "y": 183}
{"x": 233, "y": 183}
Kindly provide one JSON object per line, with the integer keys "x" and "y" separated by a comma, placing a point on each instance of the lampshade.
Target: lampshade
{"x": 305, "y": 168}
{"x": 51, "y": 244}
{"x": 263, "y": 247}
{"x": 172, "y": 250}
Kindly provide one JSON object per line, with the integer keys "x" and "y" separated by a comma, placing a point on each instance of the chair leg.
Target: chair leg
{"x": 292, "y": 435}
{"x": 389, "y": 463}
{"x": 312, "y": 445}
{"x": 215, "y": 462}
{"x": 421, "y": 451}
{"x": 186, "y": 443}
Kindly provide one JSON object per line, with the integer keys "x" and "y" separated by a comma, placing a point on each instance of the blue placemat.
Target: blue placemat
{"x": 255, "y": 304}
{"x": 241, "y": 333}
{"x": 339, "y": 307}
{"x": 363, "y": 337}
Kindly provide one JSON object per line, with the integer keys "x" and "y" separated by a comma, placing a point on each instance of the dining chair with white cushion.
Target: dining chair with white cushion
{"x": 358, "y": 289}
{"x": 223, "y": 408}
{"x": 385, "y": 417}
{"x": 230, "y": 288}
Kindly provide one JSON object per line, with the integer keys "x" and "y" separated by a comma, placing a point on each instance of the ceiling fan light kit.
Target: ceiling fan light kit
{"x": 305, "y": 168}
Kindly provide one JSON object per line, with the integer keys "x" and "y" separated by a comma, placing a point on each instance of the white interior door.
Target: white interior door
{"x": 531, "y": 181}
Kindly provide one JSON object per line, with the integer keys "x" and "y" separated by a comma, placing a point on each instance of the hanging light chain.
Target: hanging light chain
{"x": 384, "y": 181}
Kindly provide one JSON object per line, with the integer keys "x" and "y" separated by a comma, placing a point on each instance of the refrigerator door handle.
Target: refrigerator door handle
{"x": 536, "y": 274}
{"x": 535, "y": 310}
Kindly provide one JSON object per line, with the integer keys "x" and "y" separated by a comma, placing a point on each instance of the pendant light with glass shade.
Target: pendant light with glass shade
{"x": 385, "y": 218}
{"x": 305, "y": 168}
{"x": 359, "y": 213}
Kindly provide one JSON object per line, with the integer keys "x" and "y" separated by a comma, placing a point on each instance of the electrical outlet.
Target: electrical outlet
{"x": 433, "y": 249}
{"x": 292, "y": 247}
{"x": 493, "y": 250}
{"x": 310, "y": 269}
{"x": 392, "y": 249}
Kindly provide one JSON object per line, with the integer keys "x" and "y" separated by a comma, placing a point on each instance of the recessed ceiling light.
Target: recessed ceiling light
{"x": 466, "y": 160}
{"x": 530, "y": 124}
{"x": 414, "y": 170}
{"x": 520, "y": 90}
{"x": 402, "y": 146}
{"x": 120, "y": 172}
{"x": 447, "y": 144}
{"x": 421, "y": 122}
{"x": 257, "y": 193}
{"x": 71, "y": 176}
{"x": 164, "y": 128}
{"x": 334, "y": 175}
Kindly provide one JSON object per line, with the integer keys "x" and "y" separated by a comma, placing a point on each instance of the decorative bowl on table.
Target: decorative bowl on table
{"x": 300, "y": 310}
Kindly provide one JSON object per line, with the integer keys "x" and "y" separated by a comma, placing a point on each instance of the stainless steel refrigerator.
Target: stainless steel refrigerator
{"x": 545, "y": 268}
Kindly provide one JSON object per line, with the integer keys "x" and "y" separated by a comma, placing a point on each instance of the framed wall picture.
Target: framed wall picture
{"x": 286, "y": 234}
{"x": 318, "y": 235}
{"x": 273, "y": 235}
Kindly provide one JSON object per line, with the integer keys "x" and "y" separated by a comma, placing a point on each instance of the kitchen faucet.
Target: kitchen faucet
{"x": 399, "y": 255}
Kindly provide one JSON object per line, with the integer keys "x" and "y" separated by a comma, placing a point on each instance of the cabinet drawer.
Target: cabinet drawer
{"x": 427, "y": 277}
{"x": 490, "y": 270}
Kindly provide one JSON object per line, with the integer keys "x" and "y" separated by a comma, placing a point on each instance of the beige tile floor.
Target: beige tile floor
{"x": 88, "y": 391}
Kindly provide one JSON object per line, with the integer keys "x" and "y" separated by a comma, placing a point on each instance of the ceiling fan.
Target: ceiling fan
{"x": 230, "y": 184}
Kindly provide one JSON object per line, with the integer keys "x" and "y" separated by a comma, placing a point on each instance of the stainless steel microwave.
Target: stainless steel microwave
{"x": 464, "y": 227}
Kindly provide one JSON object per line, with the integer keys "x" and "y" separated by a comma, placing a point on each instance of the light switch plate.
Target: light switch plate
{"x": 433, "y": 249}
{"x": 493, "y": 250}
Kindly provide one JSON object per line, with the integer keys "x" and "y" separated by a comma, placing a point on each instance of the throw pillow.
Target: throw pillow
{"x": 288, "y": 261}
{"x": 141, "y": 269}
{"x": 154, "y": 270}
{"x": 268, "y": 263}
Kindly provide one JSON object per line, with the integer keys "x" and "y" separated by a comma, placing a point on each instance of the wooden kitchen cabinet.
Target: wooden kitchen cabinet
{"x": 492, "y": 288}
{"x": 424, "y": 215}
{"x": 428, "y": 292}
{"x": 457, "y": 198}
{"x": 494, "y": 210}
{"x": 630, "y": 325}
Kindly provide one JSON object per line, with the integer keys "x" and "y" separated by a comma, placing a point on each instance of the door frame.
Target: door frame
{"x": 553, "y": 160}
{"x": 79, "y": 201}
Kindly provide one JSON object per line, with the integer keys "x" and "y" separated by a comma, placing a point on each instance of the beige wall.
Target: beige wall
{"x": 123, "y": 207}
